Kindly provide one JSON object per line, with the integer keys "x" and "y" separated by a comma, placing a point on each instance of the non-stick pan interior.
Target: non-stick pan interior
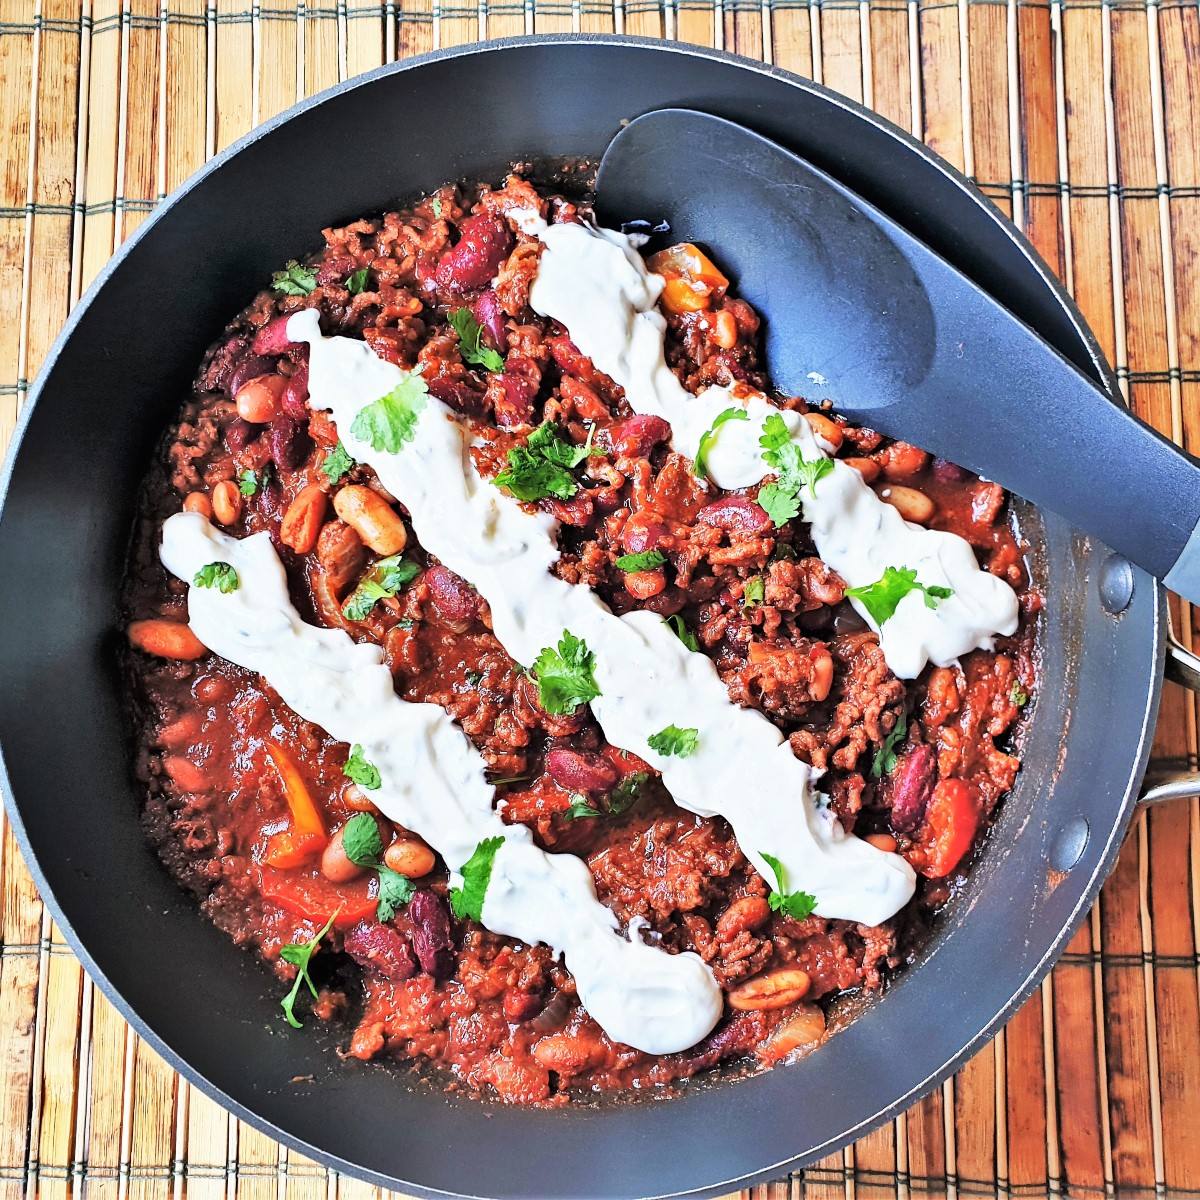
{"x": 102, "y": 401}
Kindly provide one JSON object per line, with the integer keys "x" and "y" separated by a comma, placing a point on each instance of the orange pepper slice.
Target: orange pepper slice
{"x": 693, "y": 282}
{"x": 286, "y": 850}
{"x": 306, "y": 817}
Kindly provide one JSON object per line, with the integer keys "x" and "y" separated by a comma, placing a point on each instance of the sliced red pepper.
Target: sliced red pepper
{"x": 313, "y": 897}
{"x": 948, "y": 833}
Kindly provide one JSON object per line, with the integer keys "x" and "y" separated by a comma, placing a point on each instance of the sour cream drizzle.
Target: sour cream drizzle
{"x": 742, "y": 769}
{"x": 594, "y": 282}
{"x": 433, "y": 782}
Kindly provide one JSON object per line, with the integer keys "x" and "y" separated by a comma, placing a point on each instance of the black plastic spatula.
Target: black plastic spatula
{"x": 861, "y": 313}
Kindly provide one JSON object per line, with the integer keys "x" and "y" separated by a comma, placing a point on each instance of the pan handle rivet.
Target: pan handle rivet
{"x": 1116, "y": 584}
{"x": 1069, "y": 844}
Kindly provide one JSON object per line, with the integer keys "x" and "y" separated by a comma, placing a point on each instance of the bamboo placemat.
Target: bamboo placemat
{"x": 1079, "y": 118}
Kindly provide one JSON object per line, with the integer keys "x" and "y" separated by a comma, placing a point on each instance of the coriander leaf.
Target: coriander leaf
{"x": 548, "y": 441}
{"x": 699, "y": 467}
{"x": 673, "y": 740}
{"x": 299, "y": 954}
{"x": 627, "y": 793}
{"x": 358, "y": 281}
{"x": 247, "y": 482}
{"x": 1018, "y": 694}
{"x": 794, "y": 904}
{"x": 754, "y": 591}
{"x": 361, "y": 840}
{"x": 391, "y": 420}
{"x": 469, "y": 331}
{"x": 382, "y": 582}
{"x": 294, "y": 280}
{"x": 775, "y": 435}
{"x": 810, "y": 470}
{"x": 782, "y": 550}
{"x": 336, "y": 463}
{"x": 881, "y": 598}
{"x": 647, "y": 560}
{"x": 436, "y": 205}
{"x": 683, "y": 633}
{"x": 885, "y": 756}
{"x": 529, "y": 476}
{"x": 219, "y": 575}
{"x": 467, "y": 901}
{"x": 395, "y": 572}
{"x": 364, "y": 773}
{"x": 363, "y": 599}
{"x": 394, "y": 890}
{"x": 780, "y": 503}
{"x": 566, "y": 675}
{"x": 580, "y": 808}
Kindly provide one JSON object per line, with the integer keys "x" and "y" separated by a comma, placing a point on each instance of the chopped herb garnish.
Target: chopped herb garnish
{"x": 580, "y": 808}
{"x": 885, "y": 756}
{"x": 783, "y": 550}
{"x": 647, "y": 560}
{"x": 881, "y": 598}
{"x": 673, "y": 740}
{"x": 336, "y": 463}
{"x": 364, "y": 848}
{"x": 700, "y": 466}
{"x": 467, "y": 901}
{"x": 219, "y": 575}
{"x": 436, "y": 205}
{"x": 247, "y": 482}
{"x": 299, "y": 954}
{"x": 683, "y": 633}
{"x": 780, "y": 503}
{"x": 474, "y": 678}
{"x": 627, "y": 793}
{"x": 382, "y": 582}
{"x": 566, "y": 675}
{"x": 794, "y": 904}
{"x": 543, "y": 466}
{"x": 781, "y": 499}
{"x": 1018, "y": 695}
{"x": 364, "y": 773}
{"x": 358, "y": 281}
{"x": 391, "y": 420}
{"x": 754, "y": 591}
{"x": 294, "y": 280}
{"x": 469, "y": 331}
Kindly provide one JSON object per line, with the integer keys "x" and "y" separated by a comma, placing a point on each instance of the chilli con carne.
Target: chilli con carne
{"x": 275, "y": 826}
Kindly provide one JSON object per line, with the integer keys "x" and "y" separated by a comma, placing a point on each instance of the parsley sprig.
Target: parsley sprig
{"x": 294, "y": 280}
{"x": 364, "y": 848}
{"x": 620, "y": 800}
{"x": 470, "y": 345}
{"x": 673, "y": 740}
{"x": 882, "y": 597}
{"x": 647, "y": 560}
{"x": 247, "y": 482}
{"x": 391, "y": 421}
{"x": 781, "y": 499}
{"x": 467, "y": 901}
{"x": 566, "y": 675}
{"x": 683, "y": 633}
{"x": 794, "y": 904}
{"x": 336, "y": 463}
{"x": 382, "y": 582}
{"x": 885, "y": 757}
{"x": 364, "y": 773}
{"x": 700, "y": 466}
{"x": 543, "y": 466}
{"x": 358, "y": 281}
{"x": 754, "y": 591}
{"x": 219, "y": 575}
{"x": 299, "y": 954}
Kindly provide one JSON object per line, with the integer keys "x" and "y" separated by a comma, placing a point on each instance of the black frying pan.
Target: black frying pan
{"x": 114, "y": 380}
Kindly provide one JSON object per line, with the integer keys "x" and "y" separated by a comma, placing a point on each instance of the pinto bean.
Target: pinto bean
{"x": 198, "y": 502}
{"x": 827, "y": 431}
{"x": 911, "y": 504}
{"x": 431, "y": 934}
{"x": 272, "y": 338}
{"x": 638, "y": 435}
{"x": 455, "y": 602}
{"x": 336, "y": 864}
{"x": 166, "y": 639}
{"x": 372, "y": 518}
{"x": 725, "y": 330}
{"x": 901, "y": 461}
{"x": 641, "y": 585}
{"x": 290, "y": 443}
{"x": 570, "y": 1053}
{"x": 911, "y": 787}
{"x": 735, "y": 514}
{"x": 301, "y": 524}
{"x": 409, "y": 856}
{"x": 341, "y": 554}
{"x": 483, "y": 245}
{"x": 580, "y": 771}
{"x": 382, "y": 948}
{"x": 258, "y": 400}
{"x": 772, "y": 989}
{"x": 355, "y": 799}
{"x": 226, "y": 502}
{"x": 868, "y": 468}
{"x": 745, "y": 913}
{"x": 882, "y": 841}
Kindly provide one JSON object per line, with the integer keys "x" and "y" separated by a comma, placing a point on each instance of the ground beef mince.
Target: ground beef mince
{"x": 917, "y": 766}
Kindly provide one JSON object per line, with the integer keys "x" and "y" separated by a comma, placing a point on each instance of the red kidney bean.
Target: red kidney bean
{"x": 948, "y": 472}
{"x": 272, "y": 338}
{"x": 735, "y": 1038}
{"x": 221, "y": 364}
{"x": 290, "y": 443}
{"x": 431, "y": 934}
{"x": 381, "y": 948}
{"x": 735, "y": 514}
{"x": 460, "y": 396}
{"x": 483, "y": 245}
{"x": 454, "y": 600}
{"x": 295, "y": 395}
{"x": 640, "y": 434}
{"x": 571, "y": 359}
{"x": 514, "y": 404}
{"x": 912, "y": 785}
{"x": 581, "y": 772}
{"x": 336, "y": 269}
{"x": 490, "y": 316}
{"x": 239, "y": 434}
{"x": 249, "y": 366}
{"x": 520, "y": 1006}
{"x": 643, "y": 531}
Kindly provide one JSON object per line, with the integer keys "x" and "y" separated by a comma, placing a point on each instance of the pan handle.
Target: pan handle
{"x": 1183, "y": 667}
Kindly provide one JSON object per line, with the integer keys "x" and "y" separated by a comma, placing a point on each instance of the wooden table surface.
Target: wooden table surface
{"x": 1080, "y": 119}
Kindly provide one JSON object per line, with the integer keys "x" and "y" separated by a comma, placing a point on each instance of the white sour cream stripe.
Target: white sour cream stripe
{"x": 433, "y": 782}
{"x": 742, "y": 768}
{"x": 594, "y": 282}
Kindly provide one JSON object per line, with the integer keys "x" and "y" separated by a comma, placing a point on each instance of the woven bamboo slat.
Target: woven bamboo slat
{"x": 1076, "y": 117}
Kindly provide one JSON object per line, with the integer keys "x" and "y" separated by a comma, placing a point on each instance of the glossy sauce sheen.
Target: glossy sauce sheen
{"x": 596, "y": 284}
